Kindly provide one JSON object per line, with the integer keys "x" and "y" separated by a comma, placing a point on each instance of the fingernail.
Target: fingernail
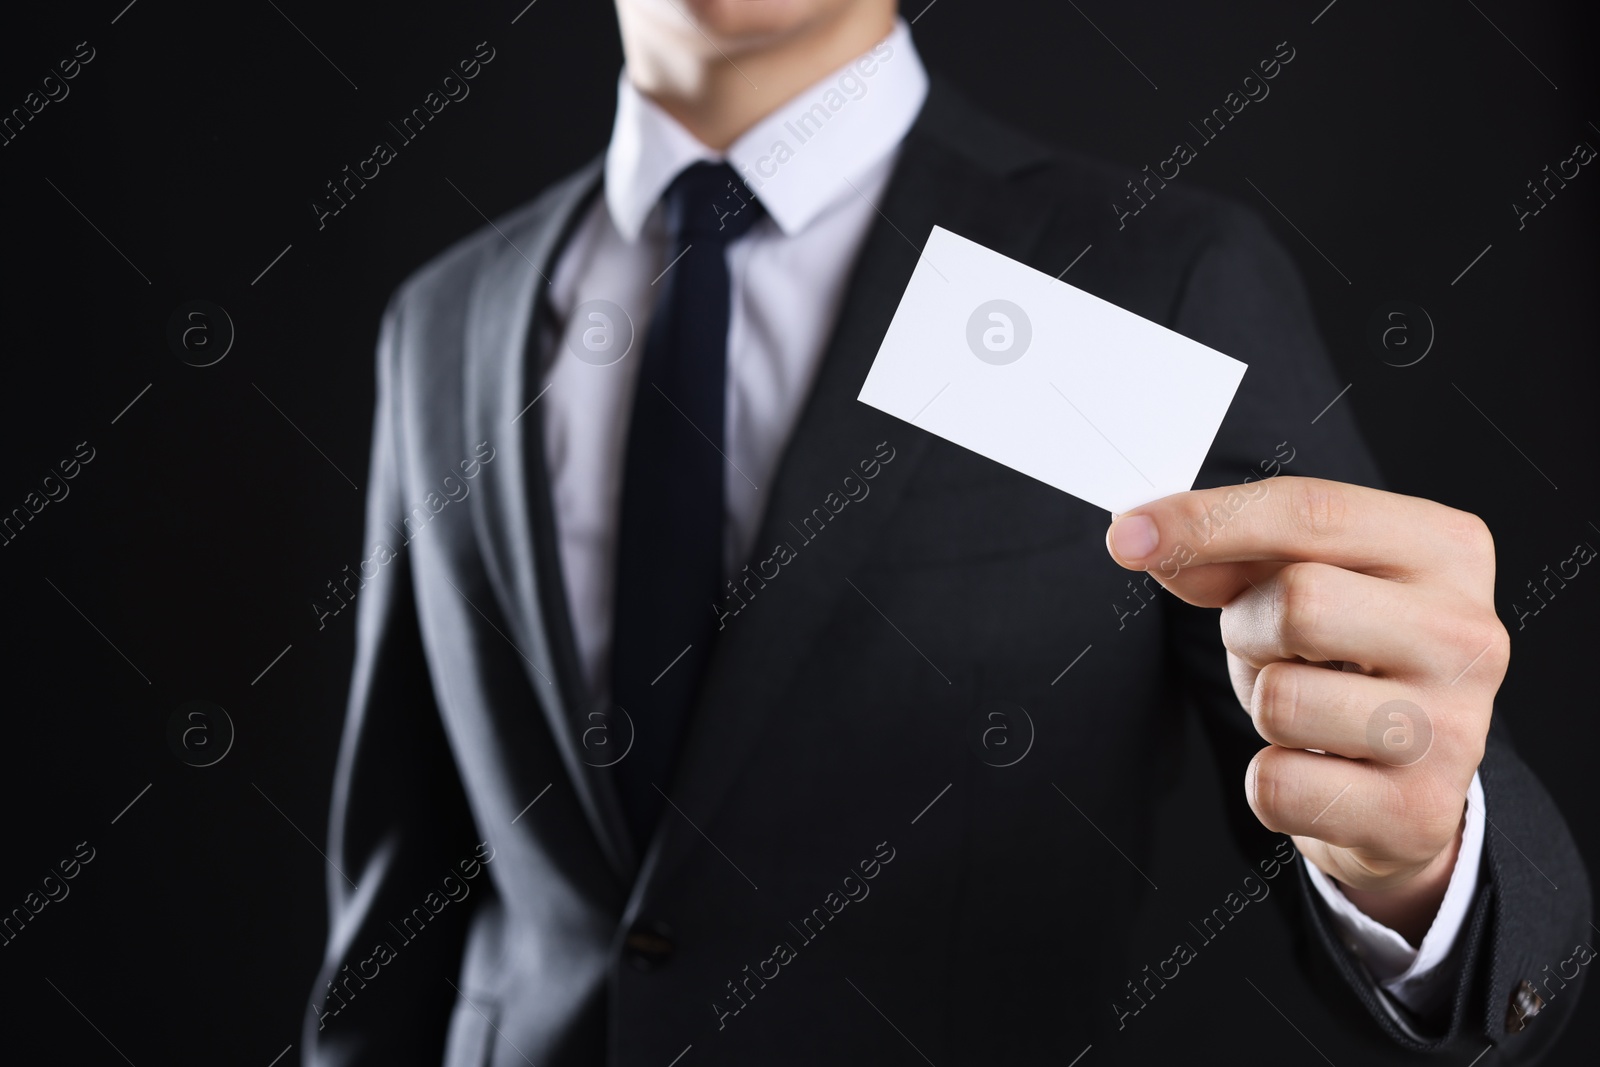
{"x": 1134, "y": 537}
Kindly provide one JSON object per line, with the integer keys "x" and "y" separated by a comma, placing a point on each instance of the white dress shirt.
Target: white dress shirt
{"x": 786, "y": 282}
{"x": 819, "y": 165}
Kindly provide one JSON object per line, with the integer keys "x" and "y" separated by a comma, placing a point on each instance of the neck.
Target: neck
{"x": 719, "y": 91}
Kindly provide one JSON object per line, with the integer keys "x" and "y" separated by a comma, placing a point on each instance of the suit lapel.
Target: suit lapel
{"x": 949, "y": 174}
{"x": 515, "y": 529}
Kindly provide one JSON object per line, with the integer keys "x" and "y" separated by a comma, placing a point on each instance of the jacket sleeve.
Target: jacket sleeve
{"x": 399, "y": 825}
{"x": 1242, "y": 296}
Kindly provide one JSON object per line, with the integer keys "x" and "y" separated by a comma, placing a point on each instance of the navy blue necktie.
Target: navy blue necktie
{"x": 669, "y": 539}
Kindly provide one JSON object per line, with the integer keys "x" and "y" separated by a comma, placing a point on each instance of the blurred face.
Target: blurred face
{"x": 718, "y": 66}
{"x": 736, "y": 27}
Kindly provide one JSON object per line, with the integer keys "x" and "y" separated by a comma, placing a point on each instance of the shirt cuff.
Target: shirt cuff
{"x": 1414, "y": 976}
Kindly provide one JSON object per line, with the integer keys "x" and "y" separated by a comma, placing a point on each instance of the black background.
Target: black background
{"x": 189, "y": 550}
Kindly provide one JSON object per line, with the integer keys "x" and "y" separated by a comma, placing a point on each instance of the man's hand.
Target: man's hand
{"x": 1362, "y": 639}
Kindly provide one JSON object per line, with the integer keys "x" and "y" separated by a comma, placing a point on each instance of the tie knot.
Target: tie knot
{"x": 710, "y": 202}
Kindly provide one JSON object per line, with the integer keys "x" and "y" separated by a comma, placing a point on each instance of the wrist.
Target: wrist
{"x": 1409, "y": 907}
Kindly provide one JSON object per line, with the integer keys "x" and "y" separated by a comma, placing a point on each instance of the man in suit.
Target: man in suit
{"x": 678, "y": 741}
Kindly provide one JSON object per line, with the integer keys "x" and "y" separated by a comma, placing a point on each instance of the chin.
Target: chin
{"x": 739, "y": 24}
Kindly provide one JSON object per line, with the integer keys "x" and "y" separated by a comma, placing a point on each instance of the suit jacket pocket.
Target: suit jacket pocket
{"x": 471, "y": 1038}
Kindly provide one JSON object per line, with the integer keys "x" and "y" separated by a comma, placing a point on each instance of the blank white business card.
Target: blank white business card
{"x": 1043, "y": 377}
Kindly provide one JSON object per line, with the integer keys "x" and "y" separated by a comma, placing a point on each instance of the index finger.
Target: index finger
{"x": 1283, "y": 519}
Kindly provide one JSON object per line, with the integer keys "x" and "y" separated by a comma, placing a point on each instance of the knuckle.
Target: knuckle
{"x": 1485, "y": 640}
{"x": 1274, "y": 702}
{"x": 1497, "y": 639}
{"x": 1317, "y": 507}
{"x": 1199, "y": 521}
{"x": 1302, "y": 601}
{"x": 1470, "y": 535}
{"x": 1473, "y": 746}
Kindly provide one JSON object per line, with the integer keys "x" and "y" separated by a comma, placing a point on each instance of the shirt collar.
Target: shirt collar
{"x": 799, "y": 160}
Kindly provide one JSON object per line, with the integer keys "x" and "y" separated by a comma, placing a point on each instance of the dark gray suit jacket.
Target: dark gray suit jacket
{"x": 800, "y": 856}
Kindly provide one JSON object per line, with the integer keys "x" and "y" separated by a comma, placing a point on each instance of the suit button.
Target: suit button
{"x": 1525, "y": 1003}
{"x": 648, "y": 945}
